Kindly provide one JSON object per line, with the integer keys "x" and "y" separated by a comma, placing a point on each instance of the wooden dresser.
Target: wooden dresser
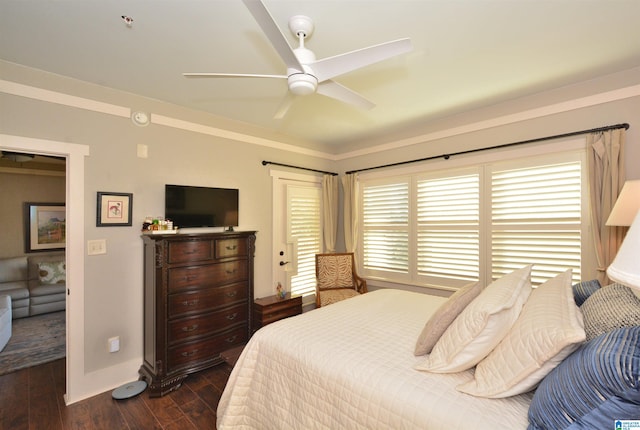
{"x": 198, "y": 296}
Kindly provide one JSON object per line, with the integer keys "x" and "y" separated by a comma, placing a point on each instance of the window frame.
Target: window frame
{"x": 483, "y": 161}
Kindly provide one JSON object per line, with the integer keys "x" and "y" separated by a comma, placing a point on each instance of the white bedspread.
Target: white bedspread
{"x": 350, "y": 366}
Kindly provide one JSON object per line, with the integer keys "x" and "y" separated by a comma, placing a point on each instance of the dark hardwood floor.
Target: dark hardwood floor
{"x": 32, "y": 399}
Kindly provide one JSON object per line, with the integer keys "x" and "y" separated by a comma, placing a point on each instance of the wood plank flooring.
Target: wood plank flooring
{"x": 32, "y": 399}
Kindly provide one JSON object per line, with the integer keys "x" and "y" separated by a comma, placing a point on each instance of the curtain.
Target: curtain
{"x": 605, "y": 152}
{"x": 351, "y": 211}
{"x": 330, "y": 211}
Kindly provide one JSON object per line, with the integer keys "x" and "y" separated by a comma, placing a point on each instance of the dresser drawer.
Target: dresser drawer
{"x": 206, "y": 349}
{"x": 194, "y": 250}
{"x": 270, "y": 309}
{"x": 230, "y": 248}
{"x": 277, "y": 315}
{"x": 193, "y": 302}
{"x": 196, "y": 326}
{"x": 202, "y": 276}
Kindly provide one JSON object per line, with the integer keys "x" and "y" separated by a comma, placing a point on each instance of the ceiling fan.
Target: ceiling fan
{"x": 306, "y": 75}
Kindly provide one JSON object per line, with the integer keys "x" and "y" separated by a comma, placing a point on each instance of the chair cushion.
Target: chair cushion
{"x": 335, "y": 271}
{"x": 334, "y": 295}
{"x": 548, "y": 330}
{"x": 444, "y": 316}
{"x": 481, "y": 325}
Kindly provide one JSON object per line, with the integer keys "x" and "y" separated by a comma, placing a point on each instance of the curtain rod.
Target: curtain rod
{"x": 447, "y": 156}
{"x": 265, "y": 162}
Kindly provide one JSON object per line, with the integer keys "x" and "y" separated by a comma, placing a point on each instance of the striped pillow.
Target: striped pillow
{"x": 596, "y": 385}
{"x": 582, "y": 290}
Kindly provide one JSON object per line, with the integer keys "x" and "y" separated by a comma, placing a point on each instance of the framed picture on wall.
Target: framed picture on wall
{"x": 114, "y": 209}
{"x": 45, "y": 226}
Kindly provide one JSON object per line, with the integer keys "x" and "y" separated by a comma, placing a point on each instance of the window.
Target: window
{"x": 386, "y": 227}
{"x": 304, "y": 229}
{"x": 479, "y": 222}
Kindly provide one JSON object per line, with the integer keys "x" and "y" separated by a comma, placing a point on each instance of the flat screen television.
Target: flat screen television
{"x": 189, "y": 206}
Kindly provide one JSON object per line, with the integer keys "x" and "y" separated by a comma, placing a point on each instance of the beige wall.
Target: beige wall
{"x": 15, "y": 190}
{"x": 113, "y": 282}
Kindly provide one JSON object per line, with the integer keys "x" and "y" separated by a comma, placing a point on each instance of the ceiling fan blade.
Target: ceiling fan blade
{"x": 230, "y": 75}
{"x": 340, "y": 92}
{"x": 273, "y": 33}
{"x": 331, "y": 67}
{"x": 286, "y": 103}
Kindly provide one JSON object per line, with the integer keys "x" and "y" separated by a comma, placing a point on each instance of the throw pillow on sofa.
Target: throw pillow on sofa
{"x": 52, "y": 272}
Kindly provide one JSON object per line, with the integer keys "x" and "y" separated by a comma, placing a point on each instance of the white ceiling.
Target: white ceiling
{"x": 467, "y": 54}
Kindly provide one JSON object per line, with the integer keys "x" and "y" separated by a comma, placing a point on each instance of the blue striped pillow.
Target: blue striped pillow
{"x": 596, "y": 385}
{"x": 582, "y": 290}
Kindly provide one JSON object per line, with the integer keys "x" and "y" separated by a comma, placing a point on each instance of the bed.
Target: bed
{"x": 351, "y": 365}
{"x": 558, "y": 356}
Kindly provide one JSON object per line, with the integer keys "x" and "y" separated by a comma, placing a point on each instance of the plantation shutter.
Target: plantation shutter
{"x": 386, "y": 227}
{"x": 448, "y": 232}
{"x": 536, "y": 219}
{"x": 304, "y": 228}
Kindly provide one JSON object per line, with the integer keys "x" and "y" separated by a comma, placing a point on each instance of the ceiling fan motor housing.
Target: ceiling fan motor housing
{"x": 302, "y": 82}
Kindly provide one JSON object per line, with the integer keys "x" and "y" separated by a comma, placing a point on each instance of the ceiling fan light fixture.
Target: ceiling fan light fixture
{"x": 302, "y": 84}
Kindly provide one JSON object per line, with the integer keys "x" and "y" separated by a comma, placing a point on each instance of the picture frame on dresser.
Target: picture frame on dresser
{"x": 114, "y": 209}
{"x": 45, "y": 226}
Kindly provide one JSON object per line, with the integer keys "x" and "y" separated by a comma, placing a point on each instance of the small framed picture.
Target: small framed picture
{"x": 45, "y": 226}
{"x": 114, "y": 209}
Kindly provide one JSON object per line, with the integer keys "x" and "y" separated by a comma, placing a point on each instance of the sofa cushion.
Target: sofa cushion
{"x": 52, "y": 272}
{"x": 13, "y": 269}
{"x": 34, "y": 260}
{"x": 17, "y": 290}
{"x": 47, "y": 289}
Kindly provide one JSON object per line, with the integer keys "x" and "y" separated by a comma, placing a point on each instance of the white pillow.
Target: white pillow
{"x": 549, "y": 328}
{"x": 444, "y": 316}
{"x": 481, "y": 325}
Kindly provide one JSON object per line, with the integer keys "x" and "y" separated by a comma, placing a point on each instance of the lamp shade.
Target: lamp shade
{"x": 627, "y": 205}
{"x": 625, "y": 268}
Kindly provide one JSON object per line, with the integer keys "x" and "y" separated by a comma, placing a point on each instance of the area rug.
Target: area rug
{"x": 34, "y": 340}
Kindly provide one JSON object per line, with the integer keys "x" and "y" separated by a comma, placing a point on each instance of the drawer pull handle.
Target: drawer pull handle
{"x": 189, "y": 252}
{"x": 192, "y": 328}
{"x": 232, "y": 293}
{"x": 189, "y": 353}
{"x": 231, "y": 248}
{"x": 231, "y": 272}
{"x": 232, "y": 316}
{"x": 190, "y": 278}
{"x": 231, "y": 339}
{"x": 190, "y": 303}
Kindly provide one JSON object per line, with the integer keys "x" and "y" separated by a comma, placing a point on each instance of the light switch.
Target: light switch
{"x": 143, "y": 150}
{"x": 96, "y": 247}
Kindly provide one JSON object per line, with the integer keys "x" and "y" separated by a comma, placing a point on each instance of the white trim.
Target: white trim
{"x": 96, "y": 106}
{"x": 580, "y": 103}
{"x": 62, "y": 99}
{"x": 232, "y": 135}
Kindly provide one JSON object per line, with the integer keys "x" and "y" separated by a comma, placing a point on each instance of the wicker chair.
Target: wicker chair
{"x": 336, "y": 278}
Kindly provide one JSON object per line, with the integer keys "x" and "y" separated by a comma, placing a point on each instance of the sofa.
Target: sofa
{"x": 5, "y": 320}
{"x": 36, "y": 283}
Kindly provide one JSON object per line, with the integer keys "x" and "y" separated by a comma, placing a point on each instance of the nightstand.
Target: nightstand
{"x": 271, "y": 309}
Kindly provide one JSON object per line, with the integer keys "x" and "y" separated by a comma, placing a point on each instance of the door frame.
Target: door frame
{"x": 75, "y": 155}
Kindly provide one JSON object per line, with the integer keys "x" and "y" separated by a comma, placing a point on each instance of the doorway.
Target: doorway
{"x": 75, "y": 158}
